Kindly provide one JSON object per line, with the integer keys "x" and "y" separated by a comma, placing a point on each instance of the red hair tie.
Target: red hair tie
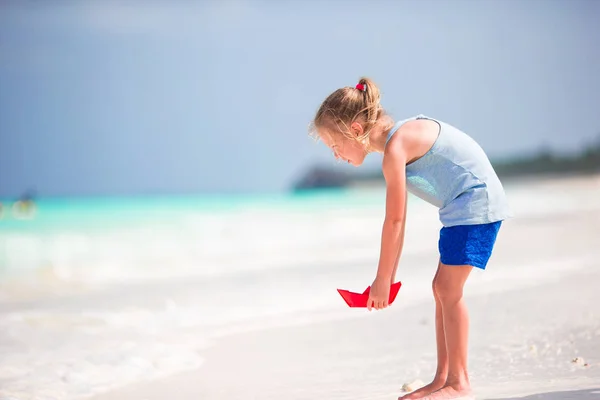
{"x": 360, "y": 87}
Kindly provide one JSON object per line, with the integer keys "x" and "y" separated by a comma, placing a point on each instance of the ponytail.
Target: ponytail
{"x": 348, "y": 104}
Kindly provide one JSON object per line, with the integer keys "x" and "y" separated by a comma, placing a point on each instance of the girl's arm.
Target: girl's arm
{"x": 401, "y": 242}
{"x": 392, "y": 237}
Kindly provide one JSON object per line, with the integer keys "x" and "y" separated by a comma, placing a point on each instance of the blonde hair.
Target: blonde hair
{"x": 346, "y": 105}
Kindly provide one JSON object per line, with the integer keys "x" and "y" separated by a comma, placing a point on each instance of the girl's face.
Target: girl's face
{"x": 344, "y": 148}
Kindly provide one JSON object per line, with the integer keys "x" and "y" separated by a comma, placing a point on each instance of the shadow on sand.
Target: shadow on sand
{"x": 587, "y": 394}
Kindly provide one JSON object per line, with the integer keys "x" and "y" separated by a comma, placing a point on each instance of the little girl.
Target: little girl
{"x": 445, "y": 167}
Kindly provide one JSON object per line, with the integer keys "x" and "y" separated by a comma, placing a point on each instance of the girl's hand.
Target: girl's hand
{"x": 379, "y": 294}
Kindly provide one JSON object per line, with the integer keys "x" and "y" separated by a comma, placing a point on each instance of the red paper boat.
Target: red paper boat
{"x": 360, "y": 299}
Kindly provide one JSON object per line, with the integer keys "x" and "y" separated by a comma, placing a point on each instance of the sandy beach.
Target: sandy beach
{"x": 243, "y": 304}
{"x": 524, "y": 346}
{"x": 535, "y": 330}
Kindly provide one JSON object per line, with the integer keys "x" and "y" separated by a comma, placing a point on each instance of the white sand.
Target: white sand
{"x": 535, "y": 329}
{"x": 522, "y": 343}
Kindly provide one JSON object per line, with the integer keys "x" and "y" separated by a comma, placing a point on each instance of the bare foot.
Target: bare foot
{"x": 451, "y": 392}
{"x": 425, "y": 390}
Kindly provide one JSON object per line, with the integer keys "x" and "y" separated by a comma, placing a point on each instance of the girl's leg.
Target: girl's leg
{"x": 441, "y": 373}
{"x": 442, "y": 355}
{"x": 449, "y": 288}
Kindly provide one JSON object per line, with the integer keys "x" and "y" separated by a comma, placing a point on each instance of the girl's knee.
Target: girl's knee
{"x": 433, "y": 286}
{"x": 447, "y": 290}
{"x": 449, "y": 281}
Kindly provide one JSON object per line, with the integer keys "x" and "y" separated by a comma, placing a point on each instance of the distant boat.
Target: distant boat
{"x": 25, "y": 207}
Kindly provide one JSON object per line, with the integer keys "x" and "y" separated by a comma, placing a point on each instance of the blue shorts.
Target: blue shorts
{"x": 468, "y": 244}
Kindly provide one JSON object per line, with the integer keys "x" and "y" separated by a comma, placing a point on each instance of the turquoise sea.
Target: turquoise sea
{"x": 42, "y": 233}
{"x": 93, "y": 212}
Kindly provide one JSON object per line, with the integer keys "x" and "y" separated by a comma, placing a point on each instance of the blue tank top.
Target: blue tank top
{"x": 456, "y": 176}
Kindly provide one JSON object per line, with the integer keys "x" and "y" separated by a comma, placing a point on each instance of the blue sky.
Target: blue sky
{"x": 114, "y": 98}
